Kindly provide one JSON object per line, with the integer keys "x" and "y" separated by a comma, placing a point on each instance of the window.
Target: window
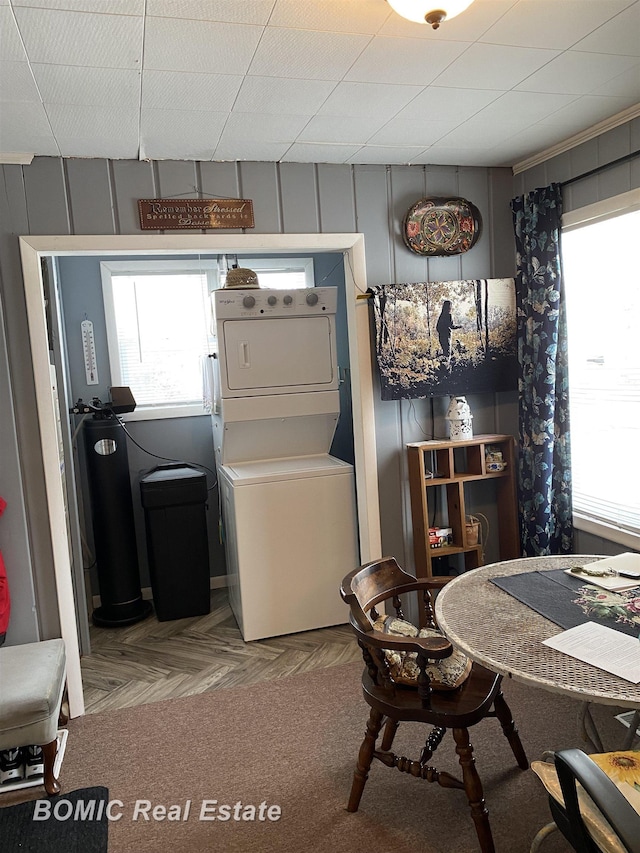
{"x": 603, "y": 315}
{"x": 158, "y": 318}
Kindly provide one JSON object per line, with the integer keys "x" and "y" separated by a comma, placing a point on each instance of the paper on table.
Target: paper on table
{"x": 602, "y": 647}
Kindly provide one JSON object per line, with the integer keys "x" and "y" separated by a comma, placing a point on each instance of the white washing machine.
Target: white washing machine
{"x": 288, "y": 506}
{"x": 291, "y": 539}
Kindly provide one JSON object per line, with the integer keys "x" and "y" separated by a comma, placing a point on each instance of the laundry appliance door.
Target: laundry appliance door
{"x": 278, "y": 356}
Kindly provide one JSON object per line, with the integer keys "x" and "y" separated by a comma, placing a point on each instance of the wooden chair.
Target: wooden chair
{"x": 479, "y": 696}
{"x": 603, "y": 822}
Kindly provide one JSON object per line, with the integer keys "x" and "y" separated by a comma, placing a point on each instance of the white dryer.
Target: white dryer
{"x": 288, "y": 507}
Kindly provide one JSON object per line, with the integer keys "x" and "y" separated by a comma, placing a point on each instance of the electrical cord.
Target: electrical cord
{"x": 164, "y": 458}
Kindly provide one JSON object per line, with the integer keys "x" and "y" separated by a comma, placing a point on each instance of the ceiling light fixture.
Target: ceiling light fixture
{"x": 429, "y": 11}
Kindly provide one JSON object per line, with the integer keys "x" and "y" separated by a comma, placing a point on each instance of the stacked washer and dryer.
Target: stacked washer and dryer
{"x": 288, "y": 506}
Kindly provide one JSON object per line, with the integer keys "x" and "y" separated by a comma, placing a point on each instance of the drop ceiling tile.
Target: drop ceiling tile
{"x": 526, "y": 107}
{"x": 363, "y": 99}
{"x": 446, "y": 104}
{"x": 24, "y": 127}
{"x": 115, "y": 147}
{"x": 180, "y": 133}
{"x": 457, "y": 157}
{"x": 626, "y": 84}
{"x": 340, "y": 129}
{"x": 182, "y": 90}
{"x": 396, "y": 60}
{"x": 577, "y": 73}
{"x": 385, "y": 154}
{"x": 17, "y": 83}
{"x": 201, "y": 46}
{"x": 465, "y": 27}
{"x": 477, "y": 133}
{"x": 103, "y": 7}
{"x": 412, "y": 132}
{"x": 620, "y": 35}
{"x": 249, "y": 149}
{"x": 83, "y": 122}
{"x": 310, "y": 152}
{"x": 282, "y": 95}
{"x": 306, "y": 54}
{"x": 78, "y": 38}
{"x": 100, "y": 87}
{"x": 11, "y": 47}
{"x": 550, "y": 23}
{"x": 584, "y": 113}
{"x": 265, "y": 127}
{"x": 340, "y": 16}
{"x": 230, "y": 11}
{"x": 493, "y": 66}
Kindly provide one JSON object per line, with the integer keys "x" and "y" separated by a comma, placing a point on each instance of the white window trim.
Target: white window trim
{"x": 589, "y": 215}
{"x": 107, "y": 269}
{"x": 605, "y": 209}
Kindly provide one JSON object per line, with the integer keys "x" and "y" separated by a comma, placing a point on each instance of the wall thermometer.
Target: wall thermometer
{"x": 89, "y": 352}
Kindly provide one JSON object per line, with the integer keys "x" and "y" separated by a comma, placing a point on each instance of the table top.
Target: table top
{"x": 496, "y": 630}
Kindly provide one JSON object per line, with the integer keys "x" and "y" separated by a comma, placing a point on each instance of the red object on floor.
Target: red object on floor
{"x": 5, "y": 601}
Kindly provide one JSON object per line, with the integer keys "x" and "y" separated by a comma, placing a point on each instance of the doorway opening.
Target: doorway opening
{"x": 34, "y": 249}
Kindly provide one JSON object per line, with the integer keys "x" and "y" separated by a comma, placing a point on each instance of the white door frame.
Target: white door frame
{"x": 360, "y": 356}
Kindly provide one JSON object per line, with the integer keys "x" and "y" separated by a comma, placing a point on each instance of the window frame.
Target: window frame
{"x": 599, "y": 211}
{"x": 208, "y": 266}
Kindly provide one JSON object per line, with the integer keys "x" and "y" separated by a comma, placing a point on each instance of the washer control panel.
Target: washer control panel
{"x": 263, "y": 302}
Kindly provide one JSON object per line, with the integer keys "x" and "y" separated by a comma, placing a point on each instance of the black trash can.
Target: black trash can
{"x": 174, "y": 499}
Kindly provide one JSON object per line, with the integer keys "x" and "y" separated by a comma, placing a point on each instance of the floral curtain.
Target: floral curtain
{"x": 544, "y": 477}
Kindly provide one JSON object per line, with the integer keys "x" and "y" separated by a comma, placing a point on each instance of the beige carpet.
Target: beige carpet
{"x": 293, "y": 743}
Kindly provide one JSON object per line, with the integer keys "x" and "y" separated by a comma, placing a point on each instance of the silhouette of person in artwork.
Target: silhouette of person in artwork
{"x": 445, "y": 327}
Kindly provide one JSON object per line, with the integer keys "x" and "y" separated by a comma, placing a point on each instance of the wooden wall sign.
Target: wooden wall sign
{"x": 180, "y": 213}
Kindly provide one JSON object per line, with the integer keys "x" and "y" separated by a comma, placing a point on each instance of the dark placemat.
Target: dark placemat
{"x": 69, "y": 824}
{"x": 569, "y": 601}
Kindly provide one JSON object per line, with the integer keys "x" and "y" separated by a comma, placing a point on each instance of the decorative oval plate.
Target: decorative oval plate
{"x": 441, "y": 226}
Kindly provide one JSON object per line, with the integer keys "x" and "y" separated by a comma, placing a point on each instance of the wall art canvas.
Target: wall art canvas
{"x": 446, "y": 337}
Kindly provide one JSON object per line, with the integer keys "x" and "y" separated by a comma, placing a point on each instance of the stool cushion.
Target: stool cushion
{"x": 32, "y": 678}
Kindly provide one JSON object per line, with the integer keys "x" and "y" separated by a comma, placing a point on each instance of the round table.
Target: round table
{"x": 496, "y": 630}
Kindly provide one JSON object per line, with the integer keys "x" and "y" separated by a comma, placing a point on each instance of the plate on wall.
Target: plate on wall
{"x": 441, "y": 226}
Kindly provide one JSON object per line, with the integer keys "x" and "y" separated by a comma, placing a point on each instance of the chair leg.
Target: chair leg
{"x": 365, "y": 757}
{"x": 390, "y": 729}
{"x": 473, "y": 790}
{"x": 51, "y": 784}
{"x": 63, "y": 716}
{"x": 503, "y": 713}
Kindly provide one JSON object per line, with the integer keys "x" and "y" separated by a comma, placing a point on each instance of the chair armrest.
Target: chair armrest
{"x": 574, "y": 765}
{"x": 435, "y": 648}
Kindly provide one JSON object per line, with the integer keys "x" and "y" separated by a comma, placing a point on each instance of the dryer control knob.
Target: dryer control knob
{"x": 312, "y": 298}
{"x": 272, "y": 300}
{"x": 288, "y": 299}
{"x": 249, "y": 301}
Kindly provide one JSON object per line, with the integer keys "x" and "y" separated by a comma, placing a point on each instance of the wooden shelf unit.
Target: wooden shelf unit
{"x": 452, "y": 465}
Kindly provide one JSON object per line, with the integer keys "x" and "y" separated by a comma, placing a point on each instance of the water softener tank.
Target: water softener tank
{"x": 113, "y": 525}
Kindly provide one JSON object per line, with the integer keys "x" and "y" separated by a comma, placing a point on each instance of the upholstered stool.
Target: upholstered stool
{"x": 32, "y": 680}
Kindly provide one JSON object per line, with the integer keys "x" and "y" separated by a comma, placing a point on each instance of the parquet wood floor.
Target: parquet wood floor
{"x": 152, "y": 660}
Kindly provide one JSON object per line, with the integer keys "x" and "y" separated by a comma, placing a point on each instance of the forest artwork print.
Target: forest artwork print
{"x": 446, "y": 337}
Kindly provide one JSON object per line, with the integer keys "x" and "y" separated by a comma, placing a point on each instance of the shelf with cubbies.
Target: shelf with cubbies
{"x": 453, "y": 466}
